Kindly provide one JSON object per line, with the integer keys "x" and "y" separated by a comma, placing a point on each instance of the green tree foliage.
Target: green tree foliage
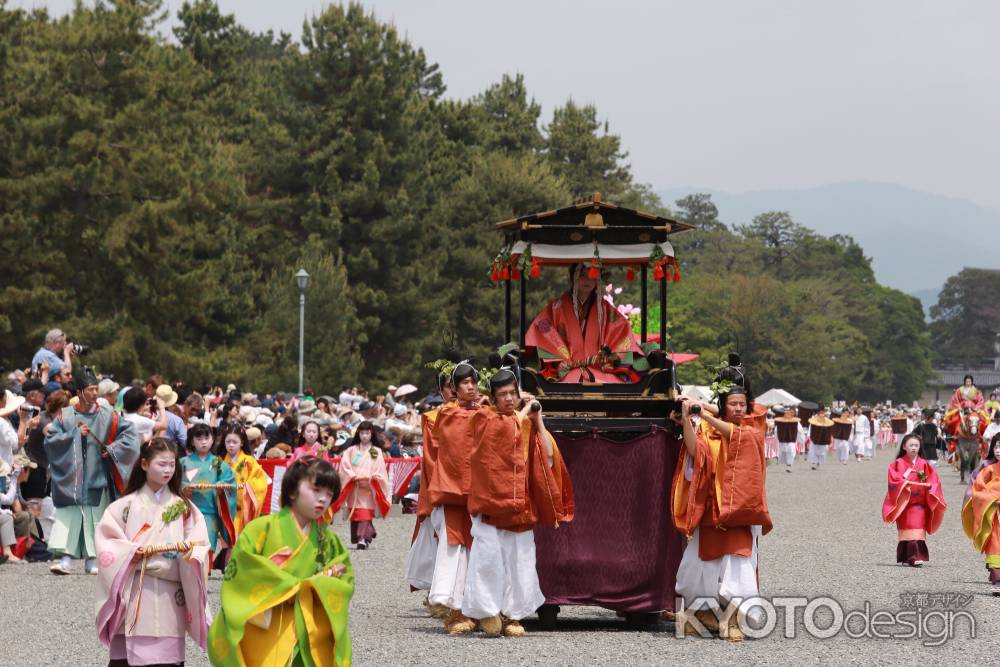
{"x": 157, "y": 197}
{"x": 966, "y": 319}
{"x": 588, "y": 159}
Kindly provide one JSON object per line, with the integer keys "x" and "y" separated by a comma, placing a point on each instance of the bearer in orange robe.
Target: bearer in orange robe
{"x": 581, "y": 337}
{"x": 720, "y": 504}
{"x": 424, "y": 545}
{"x": 518, "y": 479}
{"x": 449, "y": 495}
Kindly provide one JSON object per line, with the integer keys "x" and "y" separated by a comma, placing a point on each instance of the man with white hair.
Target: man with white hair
{"x": 56, "y": 353}
{"x": 107, "y": 393}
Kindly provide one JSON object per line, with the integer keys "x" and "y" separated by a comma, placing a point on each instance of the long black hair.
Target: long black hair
{"x": 147, "y": 452}
{"x": 902, "y": 444}
{"x": 991, "y": 456}
{"x": 365, "y": 426}
{"x": 302, "y": 432}
{"x": 220, "y": 449}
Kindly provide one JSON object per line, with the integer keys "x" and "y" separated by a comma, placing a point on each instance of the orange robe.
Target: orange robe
{"x": 557, "y": 335}
{"x": 979, "y": 516}
{"x": 726, "y": 494}
{"x": 513, "y": 486}
{"x": 452, "y": 476}
{"x": 427, "y": 461}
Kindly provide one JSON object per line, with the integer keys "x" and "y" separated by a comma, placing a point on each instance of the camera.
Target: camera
{"x": 32, "y": 410}
{"x": 535, "y": 407}
{"x": 695, "y": 410}
{"x": 79, "y": 349}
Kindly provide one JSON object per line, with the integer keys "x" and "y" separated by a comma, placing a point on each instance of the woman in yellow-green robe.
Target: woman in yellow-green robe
{"x": 285, "y": 596}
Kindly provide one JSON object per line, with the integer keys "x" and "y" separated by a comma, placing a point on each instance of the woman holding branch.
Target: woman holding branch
{"x": 152, "y": 557}
{"x": 914, "y": 501}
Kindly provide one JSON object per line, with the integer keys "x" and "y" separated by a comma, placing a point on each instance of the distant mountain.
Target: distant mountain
{"x": 916, "y": 240}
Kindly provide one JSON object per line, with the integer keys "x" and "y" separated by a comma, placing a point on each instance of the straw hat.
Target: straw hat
{"x": 21, "y": 459}
{"x": 11, "y": 404}
{"x": 166, "y": 394}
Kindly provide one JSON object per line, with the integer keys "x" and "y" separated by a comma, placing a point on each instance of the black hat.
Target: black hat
{"x": 84, "y": 377}
{"x": 502, "y": 378}
{"x": 463, "y": 370}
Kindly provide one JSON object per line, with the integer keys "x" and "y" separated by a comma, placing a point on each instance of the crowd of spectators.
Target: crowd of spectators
{"x": 275, "y": 423}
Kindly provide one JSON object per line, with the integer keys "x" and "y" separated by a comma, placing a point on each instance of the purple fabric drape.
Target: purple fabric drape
{"x": 621, "y": 551}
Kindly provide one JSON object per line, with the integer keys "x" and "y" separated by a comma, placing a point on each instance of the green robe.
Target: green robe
{"x": 290, "y": 611}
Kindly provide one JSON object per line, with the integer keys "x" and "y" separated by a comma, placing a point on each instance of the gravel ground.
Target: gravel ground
{"x": 828, "y": 540}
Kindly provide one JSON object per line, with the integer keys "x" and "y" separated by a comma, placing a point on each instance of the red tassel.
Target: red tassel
{"x": 504, "y": 273}
{"x": 593, "y": 272}
{"x": 495, "y": 275}
{"x": 630, "y": 274}
{"x": 536, "y": 269}
{"x": 658, "y": 274}
{"x": 677, "y": 274}
{"x": 515, "y": 274}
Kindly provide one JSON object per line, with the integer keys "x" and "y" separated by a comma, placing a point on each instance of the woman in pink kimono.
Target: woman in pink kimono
{"x": 152, "y": 557}
{"x": 365, "y": 483}
{"x": 309, "y": 443}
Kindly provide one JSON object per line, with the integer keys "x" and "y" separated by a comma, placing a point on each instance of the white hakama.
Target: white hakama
{"x": 817, "y": 454}
{"x": 711, "y": 584}
{"x": 786, "y": 453}
{"x": 450, "y": 565}
{"x": 843, "y": 449}
{"x": 502, "y": 578}
{"x": 421, "y": 557}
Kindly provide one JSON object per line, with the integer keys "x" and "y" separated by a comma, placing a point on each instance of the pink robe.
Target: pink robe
{"x": 356, "y": 463}
{"x": 917, "y": 510}
{"x": 143, "y": 614}
{"x": 967, "y": 397}
{"x": 557, "y": 336}
{"x": 307, "y": 450}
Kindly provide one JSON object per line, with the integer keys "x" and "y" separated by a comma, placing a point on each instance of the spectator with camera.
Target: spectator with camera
{"x": 9, "y": 441}
{"x": 139, "y": 410}
{"x": 56, "y": 353}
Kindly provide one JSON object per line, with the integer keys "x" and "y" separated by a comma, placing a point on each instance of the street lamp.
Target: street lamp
{"x": 302, "y": 279}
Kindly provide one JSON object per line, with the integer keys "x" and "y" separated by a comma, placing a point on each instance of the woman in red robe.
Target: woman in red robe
{"x": 581, "y": 337}
{"x": 914, "y": 501}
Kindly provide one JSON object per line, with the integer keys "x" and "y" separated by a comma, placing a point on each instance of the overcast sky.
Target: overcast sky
{"x": 729, "y": 94}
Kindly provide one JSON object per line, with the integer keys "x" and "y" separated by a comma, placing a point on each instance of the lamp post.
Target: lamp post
{"x": 302, "y": 278}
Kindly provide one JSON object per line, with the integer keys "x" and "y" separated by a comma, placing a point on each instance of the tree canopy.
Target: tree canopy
{"x": 158, "y": 195}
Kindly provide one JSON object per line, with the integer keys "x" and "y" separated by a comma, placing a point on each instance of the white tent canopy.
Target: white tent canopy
{"x": 579, "y": 252}
{"x": 697, "y": 392}
{"x": 775, "y": 397}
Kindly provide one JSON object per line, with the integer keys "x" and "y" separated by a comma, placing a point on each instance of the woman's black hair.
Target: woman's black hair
{"x": 147, "y": 452}
{"x": 991, "y": 456}
{"x": 226, "y": 409}
{"x": 302, "y": 432}
{"x": 968, "y": 377}
{"x": 902, "y": 444}
{"x": 312, "y": 468}
{"x": 194, "y": 432}
{"x": 736, "y": 375}
{"x": 239, "y": 431}
{"x": 364, "y": 426}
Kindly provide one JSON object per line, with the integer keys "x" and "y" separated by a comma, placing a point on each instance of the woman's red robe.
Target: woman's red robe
{"x": 558, "y": 337}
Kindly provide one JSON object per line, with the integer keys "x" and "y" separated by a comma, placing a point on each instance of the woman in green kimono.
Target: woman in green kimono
{"x": 211, "y": 485}
{"x": 289, "y": 582}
